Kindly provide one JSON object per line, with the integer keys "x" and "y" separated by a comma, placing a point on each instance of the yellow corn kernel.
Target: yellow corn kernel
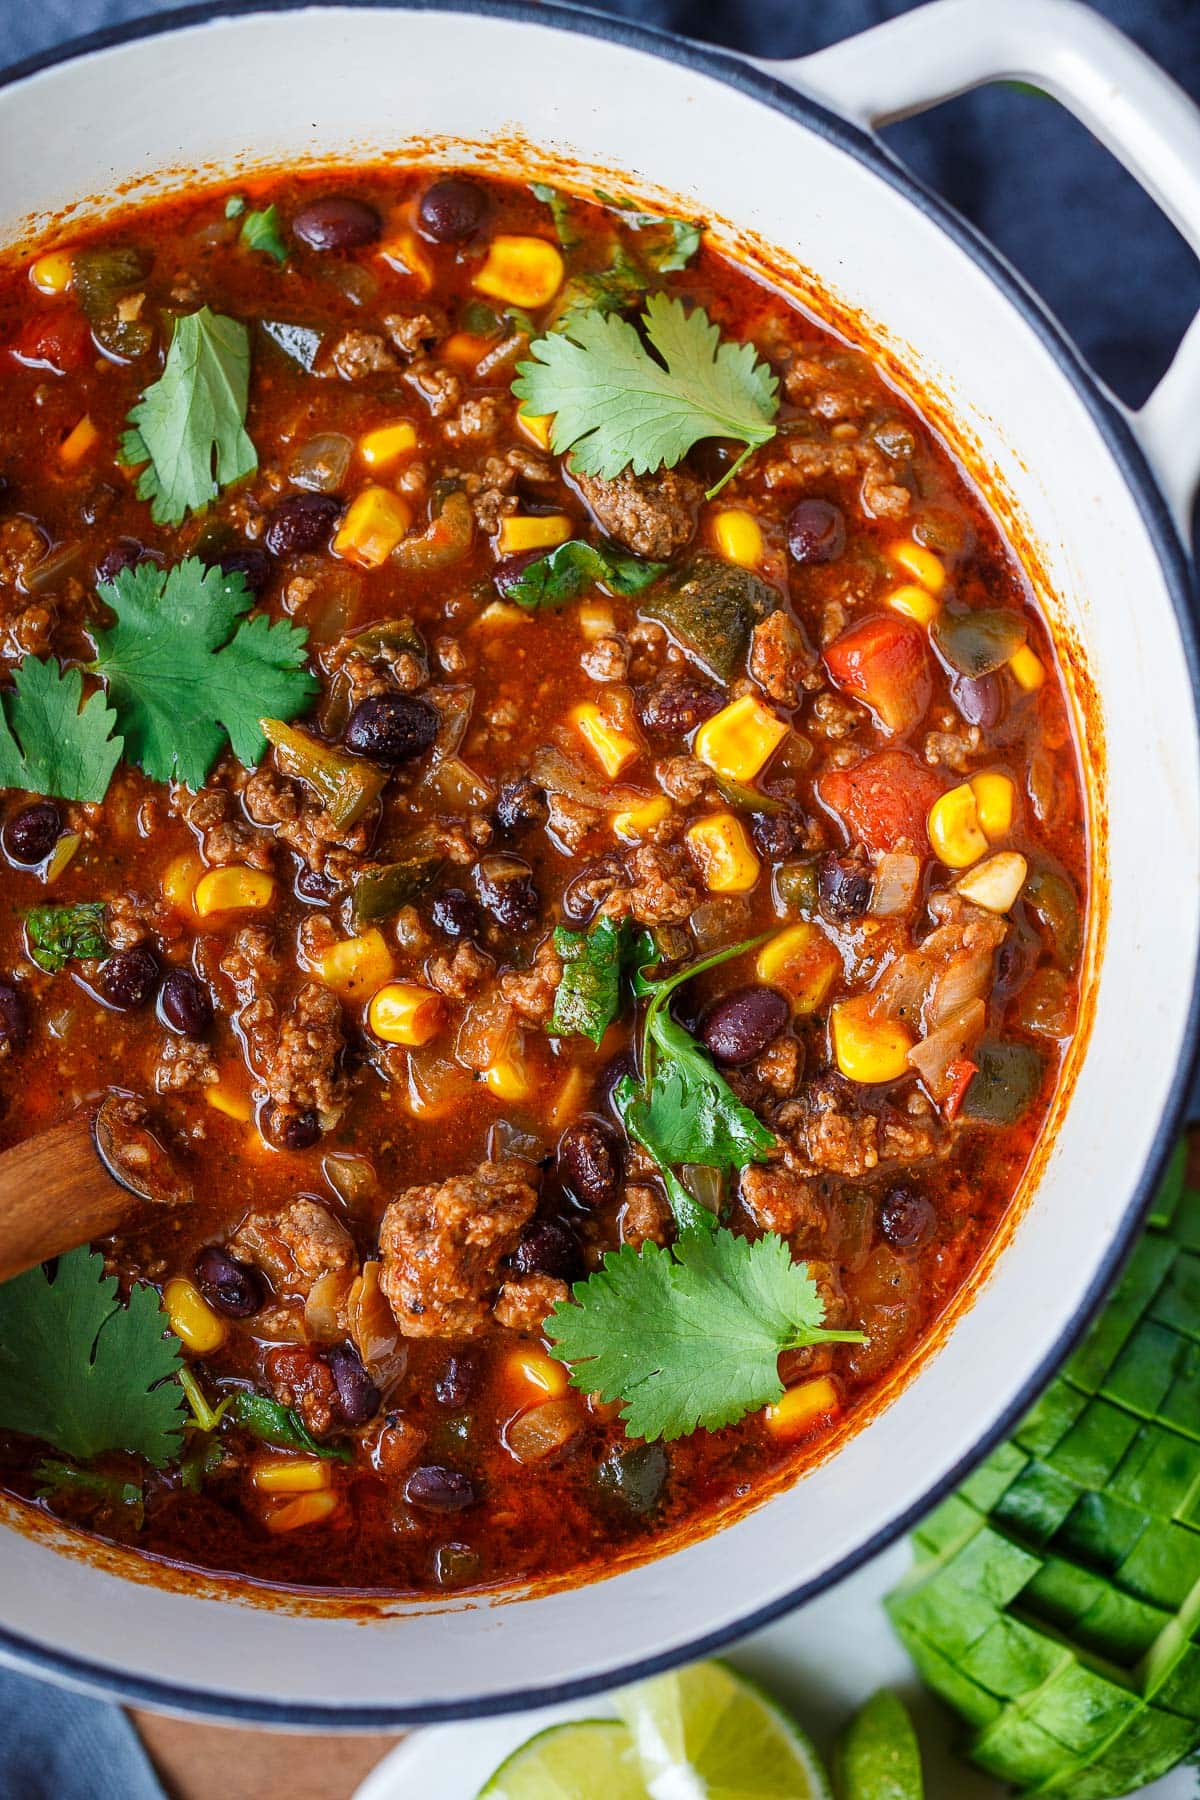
{"x": 385, "y": 445}
{"x": 803, "y": 1406}
{"x": 78, "y": 442}
{"x": 738, "y": 537}
{"x": 995, "y": 884}
{"x": 374, "y": 524}
{"x": 464, "y": 348}
{"x": 568, "y": 1102}
{"x": 53, "y": 273}
{"x": 596, "y": 619}
{"x": 179, "y": 881}
{"x": 540, "y": 1375}
{"x": 191, "y": 1318}
{"x": 60, "y": 856}
{"x": 738, "y": 740}
{"x": 522, "y": 271}
{"x": 230, "y": 1101}
{"x": 994, "y": 800}
{"x": 357, "y": 966}
{"x": 1027, "y": 668}
{"x": 921, "y": 564}
{"x": 405, "y": 253}
{"x": 612, "y": 749}
{"x": 538, "y": 427}
{"x": 290, "y": 1475}
{"x": 802, "y": 963}
{"x": 519, "y": 533}
{"x": 508, "y": 1078}
{"x": 402, "y": 1012}
{"x": 234, "y": 888}
{"x": 954, "y": 828}
{"x": 865, "y": 1048}
{"x": 636, "y": 822}
{"x": 723, "y": 850}
{"x": 305, "y": 1509}
{"x": 916, "y": 603}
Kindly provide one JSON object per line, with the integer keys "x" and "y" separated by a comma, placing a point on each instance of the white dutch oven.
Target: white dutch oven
{"x": 783, "y": 151}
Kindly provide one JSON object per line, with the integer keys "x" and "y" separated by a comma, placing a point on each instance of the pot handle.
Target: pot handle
{"x": 923, "y": 57}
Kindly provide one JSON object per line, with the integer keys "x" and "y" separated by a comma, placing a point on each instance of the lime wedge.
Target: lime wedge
{"x": 878, "y": 1757}
{"x": 591, "y": 1759}
{"x": 706, "y": 1733}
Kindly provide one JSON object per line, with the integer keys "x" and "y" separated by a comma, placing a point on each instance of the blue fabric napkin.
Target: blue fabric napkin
{"x": 1117, "y": 274}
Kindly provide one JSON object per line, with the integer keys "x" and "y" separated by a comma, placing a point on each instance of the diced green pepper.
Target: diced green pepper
{"x": 102, "y": 277}
{"x": 979, "y": 641}
{"x": 796, "y": 886}
{"x": 273, "y": 1423}
{"x": 347, "y": 786}
{"x": 1006, "y": 1082}
{"x": 712, "y": 607}
{"x": 1052, "y": 897}
{"x": 381, "y": 889}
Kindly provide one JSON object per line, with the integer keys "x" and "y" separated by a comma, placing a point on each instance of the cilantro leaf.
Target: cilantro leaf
{"x": 84, "y": 1373}
{"x": 560, "y": 212}
{"x": 615, "y": 406}
{"x": 615, "y": 289}
{"x": 575, "y": 567}
{"x": 589, "y": 994}
{"x": 189, "y": 427}
{"x": 48, "y": 743}
{"x": 673, "y": 243}
{"x": 260, "y": 231}
{"x": 273, "y": 1423}
{"x": 54, "y": 1477}
{"x": 57, "y": 935}
{"x": 179, "y": 680}
{"x": 691, "y": 1338}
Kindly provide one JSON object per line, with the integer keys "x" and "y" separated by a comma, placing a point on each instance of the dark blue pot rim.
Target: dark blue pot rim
{"x": 97, "y": 1678}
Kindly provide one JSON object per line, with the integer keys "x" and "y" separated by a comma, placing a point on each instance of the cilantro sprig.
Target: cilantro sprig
{"x": 574, "y": 568}
{"x": 49, "y": 743}
{"x": 184, "y": 668}
{"x": 691, "y": 1337}
{"x": 671, "y": 242}
{"x": 683, "y": 1110}
{"x": 189, "y": 427}
{"x": 260, "y": 229}
{"x": 616, "y": 406}
{"x": 81, "y": 1371}
{"x": 589, "y": 994}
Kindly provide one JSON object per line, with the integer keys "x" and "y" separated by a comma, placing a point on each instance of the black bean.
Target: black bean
{"x": 454, "y": 914}
{"x": 357, "y": 1395}
{"x": 739, "y": 1026}
{"x": 312, "y": 885}
{"x": 677, "y": 702}
{"x": 907, "y": 1219}
{"x": 251, "y": 562}
{"x": 549, "y": 1247}
{"x": 507, "y": 891}
{"x": 979, "y": 699}
{"x": 509, "y": 570}
{"x": 337, "y": 222}
{"x": 634, "y": 1478}
{"x": 392, "y": 728}
{"x": 458, "y": 1380}
{"x": 289, "y": 1127}
{"x": 844, "y": 887}
{"x": 589, "y": 1162}
{"x": 128, "y": 979}
{"x": 126, "y": 553}
{"x": 440, "y": 1488}
{"x": 520, "y": 805}
{"x": 301, "y": 523}
{"x": 816, "y": 531}
{"x": 185, "y": 1003}
{"x": 776, "y": 835}
{"x": 14, "y": 1020}
{"x": 234, "y": 1288}
{"x": 451, "y": 210}
{"x": 594, "y": 882}
{"x": 31, "y": 834}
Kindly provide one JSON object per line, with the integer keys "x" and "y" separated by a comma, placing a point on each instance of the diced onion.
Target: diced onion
{"x": 933, "y": 1057}
{"x": 966, "y": 977}
{"x": 558, "y": 773}
{"x": 321, "y": 463}
{"x": 486, "y": 1029}
{"x": 897, "y": 877}
{"x": 538, "y": 1433}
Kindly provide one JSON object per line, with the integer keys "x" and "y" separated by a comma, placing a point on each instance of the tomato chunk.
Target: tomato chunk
{"x": 59, "y": 341}
{"x": 884, "y": 800}
{"x": 883, "y": 660}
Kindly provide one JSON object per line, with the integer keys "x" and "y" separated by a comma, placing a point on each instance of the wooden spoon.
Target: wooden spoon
{"x": 81, "y": 1180}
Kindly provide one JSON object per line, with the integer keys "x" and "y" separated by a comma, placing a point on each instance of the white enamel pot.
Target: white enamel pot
{"x": 784, "y": 152}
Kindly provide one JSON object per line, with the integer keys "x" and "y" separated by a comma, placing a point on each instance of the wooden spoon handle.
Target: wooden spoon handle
{"x": 55, "y": 1194}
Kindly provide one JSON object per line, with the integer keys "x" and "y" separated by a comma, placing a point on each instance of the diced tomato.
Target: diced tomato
{"x": 59, "y": 341}
{"x": 884, "y": 661}
{"x": 884, "y": 800}
{"x": 958, "y": 1078}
